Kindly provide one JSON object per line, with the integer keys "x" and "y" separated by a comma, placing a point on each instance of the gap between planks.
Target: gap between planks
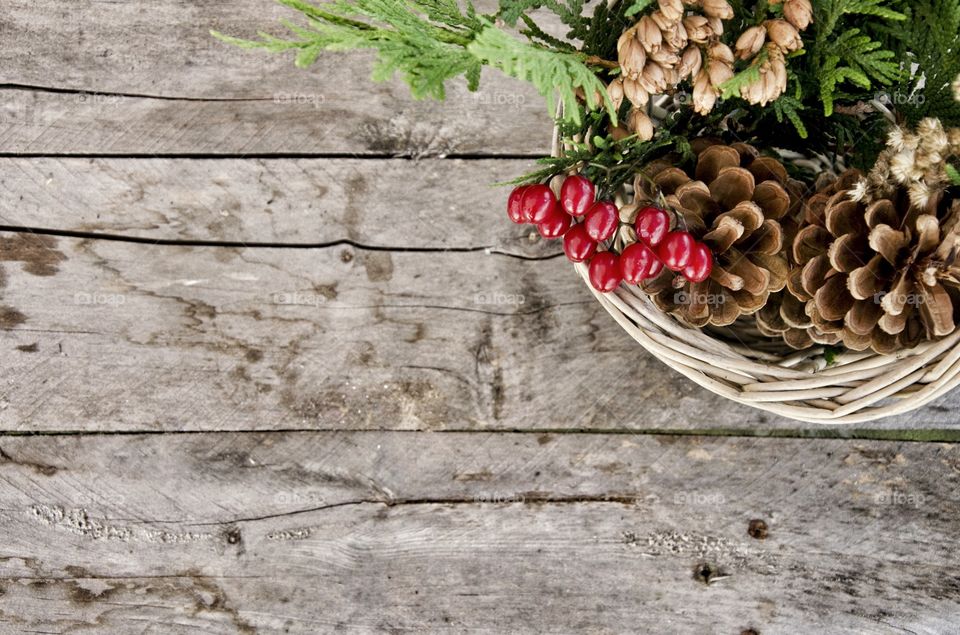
{"x": 932, "y": 435}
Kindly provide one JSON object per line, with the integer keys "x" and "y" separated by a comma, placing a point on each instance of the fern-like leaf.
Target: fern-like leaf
{"x": 550, "y": 72}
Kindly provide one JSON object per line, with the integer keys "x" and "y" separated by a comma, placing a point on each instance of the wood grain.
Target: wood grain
{"x": 401, "y": 204}
{"x": 477, "y": 532}
{"x": 111, "y": 335}
{"x": 129, "y": 78}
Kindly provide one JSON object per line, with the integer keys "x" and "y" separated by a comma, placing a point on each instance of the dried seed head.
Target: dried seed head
{"x": 675, "y": 36}
{"x": 799, "y": 13}
{"x": 640, "y": 124}
{"x": 895, "y": 139}
{"x": 783, "y": 34}
{"x": 718, "y": 9}
{"x": 652, "y": 79}
{"x": 666, "y": 57}
{"x": 704, "y": 95}
{"x": 649, "y": 34}
{"x": 953, "y": 136}
{"x": 635, "y": 93}
{"x": 690, "y": 62}
{"x": 698, "y": 29}
{"x": 719, "y": 72}
{"x": 630, "y": 53}
{"x": 716, "y": 24}
{"x": 672, "y": 10}
{"x": 753, "y": 92}
{"x": 720, "y": 52}
{"x": 750, "y": 42}
{"x": 616, "y": 92}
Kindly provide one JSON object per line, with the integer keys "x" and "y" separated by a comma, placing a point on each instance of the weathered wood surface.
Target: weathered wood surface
{"x": 112, "y": 335}
{"x": 148, "y": 79}
{"x": 407, "y": 532}
{"x": 380, "y": 306}
{"x": 401, "y": 204}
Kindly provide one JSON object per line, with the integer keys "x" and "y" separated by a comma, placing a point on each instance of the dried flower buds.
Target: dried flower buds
{"x": 679, "y": 41}
{"x": 799, "y": 13}
{"x": 640, "y": 124}
{"x": 750, "y": 42}
{"x": 783, "y": 34}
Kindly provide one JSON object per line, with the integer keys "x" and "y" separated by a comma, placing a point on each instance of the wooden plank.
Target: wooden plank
{"x": 477, "y": 533}
{"x": 136, "y": 80}
{"x": 428, "y": 204}
{"x": 109, "y": 335}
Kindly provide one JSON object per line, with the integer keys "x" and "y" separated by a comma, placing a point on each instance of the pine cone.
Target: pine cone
{"x": 734, "y": 202}
{"x": 881, "y": 274}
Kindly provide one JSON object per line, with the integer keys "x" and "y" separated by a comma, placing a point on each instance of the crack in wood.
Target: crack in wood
{"x": 160, "y": 242}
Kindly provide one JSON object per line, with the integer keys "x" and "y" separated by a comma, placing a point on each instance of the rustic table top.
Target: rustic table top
{"x": 274, "y": 361}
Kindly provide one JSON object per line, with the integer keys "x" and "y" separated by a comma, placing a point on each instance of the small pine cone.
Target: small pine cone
{"x": 649, "y": 34}
{"x": 799, "y": 13}
{"x": 671, "y": 10}
{"x": 690, "y": 63}
{"x": 704, "y": 94}
{"x": 750, "y": 42}
{"x": 615, "y": 92}
{"x": 772, "y": 81}
{"x": 734, "y": 201}
{"x": 718, "y": 9}
{"x": 882, "y": 275}
{"x": 640, "y": 124}
{"x": 635, "y": 92}
{"x": 698, "y": 28}
{"x": 631, "y": 55}
{"x": 784, "y": 35}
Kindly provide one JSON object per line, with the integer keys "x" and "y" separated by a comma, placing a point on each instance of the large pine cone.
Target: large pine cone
{"x": 882, "y": 275}
{"x": 734, "y": 201}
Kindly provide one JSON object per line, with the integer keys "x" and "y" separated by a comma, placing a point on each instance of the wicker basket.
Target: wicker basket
{"x": 741, "y": 364}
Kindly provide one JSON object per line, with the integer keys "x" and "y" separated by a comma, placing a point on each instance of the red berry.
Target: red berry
{"x": 639, "y": 263}
{"x": 577, "y": 245}
{"x": 605, "y": 273}
{"x": 555, "y": 226}
{"x": 675, "y": 250}
{"x": 700, "y": 265}
{"x": 514, "y": 211}
{"x": 601, "y": 221}
{"x": 577, "y": 195}
{"x": 652, "y": 225}
{"x": 537, "y": 203}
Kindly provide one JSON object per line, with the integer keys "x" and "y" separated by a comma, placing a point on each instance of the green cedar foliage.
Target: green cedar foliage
{"x": 429, "y": 42}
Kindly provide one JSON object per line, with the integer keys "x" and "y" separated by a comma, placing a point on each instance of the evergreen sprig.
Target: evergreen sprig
{"x": 844, "y": 53}
{"x": 930, "y": 40}
{"x": 429, "y": 42}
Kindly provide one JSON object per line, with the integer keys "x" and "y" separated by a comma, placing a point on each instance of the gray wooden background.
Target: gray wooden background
{"x": 273, "y": 360}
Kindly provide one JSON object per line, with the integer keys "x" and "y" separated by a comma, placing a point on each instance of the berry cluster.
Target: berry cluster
{"x": 657, "y": 246}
